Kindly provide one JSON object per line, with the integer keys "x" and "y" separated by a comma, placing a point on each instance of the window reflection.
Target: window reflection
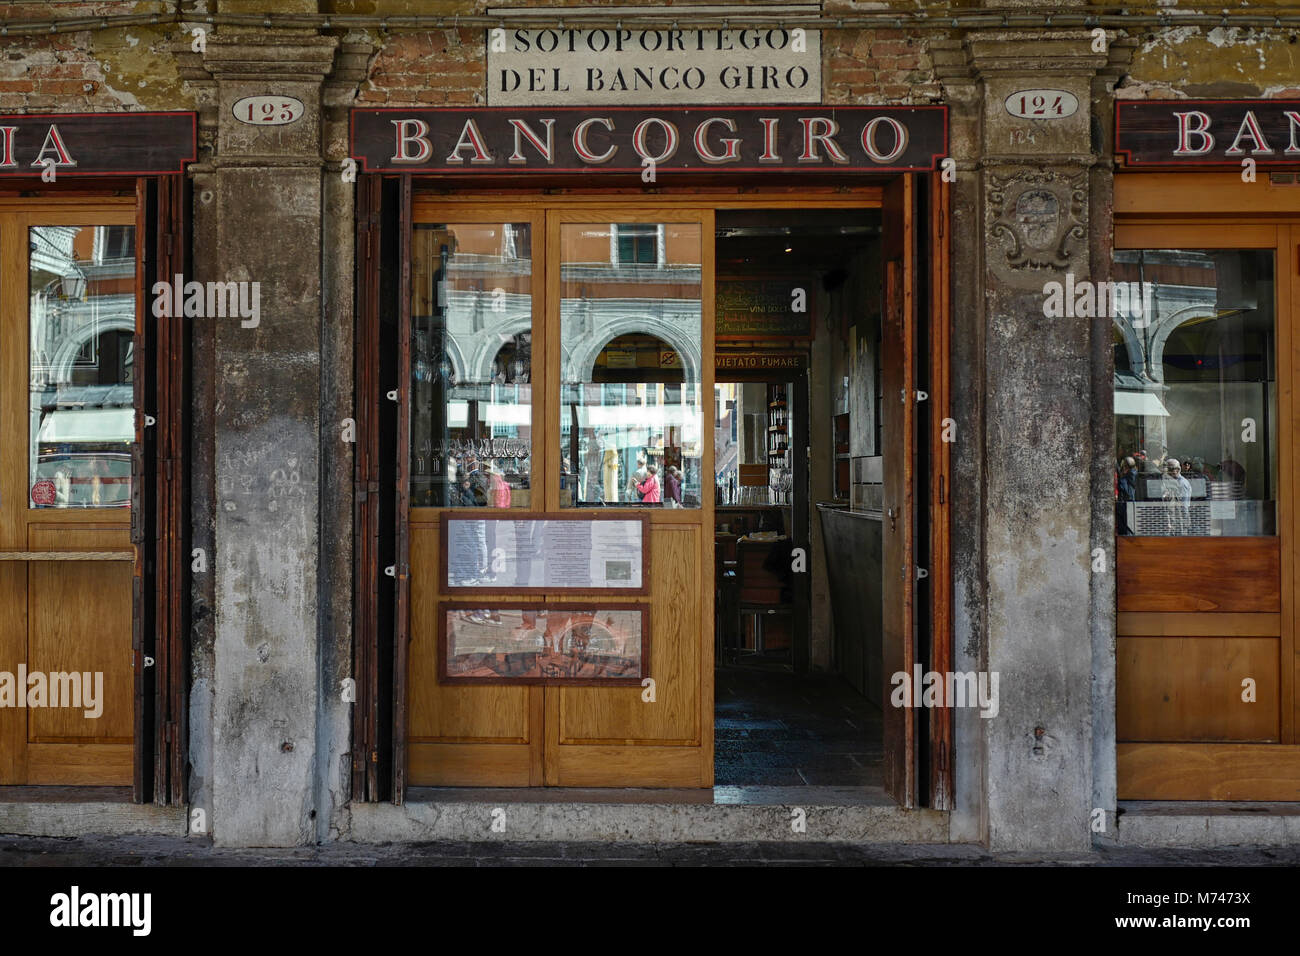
{"x": 471, "y": 365}
{"x": 81, "y": 335}
{"x": 630, "y": 402}
{"x": 1196, "y": 393}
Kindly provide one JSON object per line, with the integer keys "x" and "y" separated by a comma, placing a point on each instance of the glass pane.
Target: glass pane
{"x": 751, "y": 427}
{"x": 81, "y": 333}
{"x": 631, "y": 425}
{"x": 471, "y": 365}
{"x": 1195, "y": 392}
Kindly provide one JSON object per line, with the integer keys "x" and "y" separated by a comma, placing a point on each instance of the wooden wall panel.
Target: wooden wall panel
{"x": 1208, "y": 772}
{"x": 451, "y": 712}
{"x": 80, "y": 620}
{"x": 617, "y": 714}
{"x": 91, "y": 765}
{"x": 1190, "y": 689}
{"x": 1198, "y": 574}
{"x": 13, "y": 651}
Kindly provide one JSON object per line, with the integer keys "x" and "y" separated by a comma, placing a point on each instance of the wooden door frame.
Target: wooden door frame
{"x": 940, "y": 784}
{"x": 1218, "y": 211}
{"x": 158, "y": 521}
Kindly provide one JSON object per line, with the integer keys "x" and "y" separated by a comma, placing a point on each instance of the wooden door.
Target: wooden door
{"x": 613, "y": 737}
{"x": 1205, "y": 654}
{"x": 460, "y": 735}
{"x": 67, "y": 426}
{"x": 595, "y": 274}
{"x": 898, "y": 438}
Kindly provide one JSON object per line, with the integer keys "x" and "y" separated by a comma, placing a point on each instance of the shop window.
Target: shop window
{"x": 631, "y": 413}
{"x": 1195, "y": 392}
{"x": 81, "y": 327}
{"x": 471, "y": 365}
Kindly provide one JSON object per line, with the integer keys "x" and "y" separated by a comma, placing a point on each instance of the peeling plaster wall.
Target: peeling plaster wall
{"x": 1223, "y": 62}
{"x": 94, "y": 71}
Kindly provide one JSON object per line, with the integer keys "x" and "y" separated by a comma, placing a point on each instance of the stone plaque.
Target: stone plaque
{"x": 627, "y": 67}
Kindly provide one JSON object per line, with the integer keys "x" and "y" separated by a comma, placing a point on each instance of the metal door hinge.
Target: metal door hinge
{"x": 922, "y": 573}
{"x": 921, "y": 396}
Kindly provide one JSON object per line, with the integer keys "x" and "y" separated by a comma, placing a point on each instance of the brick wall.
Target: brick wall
{"x": 448, "y": 68}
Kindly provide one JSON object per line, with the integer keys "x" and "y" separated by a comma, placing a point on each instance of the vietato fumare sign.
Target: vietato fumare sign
{"x": 96, "y": 144}
{"x": 506, "y": 141}
{"x": 1208, "y": 132}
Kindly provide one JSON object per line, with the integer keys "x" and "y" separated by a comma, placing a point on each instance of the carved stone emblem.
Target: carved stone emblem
{"x": 1039, "y": 217}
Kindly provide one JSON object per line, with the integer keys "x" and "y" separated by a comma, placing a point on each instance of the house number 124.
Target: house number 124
{"x": 1042, "y": 104}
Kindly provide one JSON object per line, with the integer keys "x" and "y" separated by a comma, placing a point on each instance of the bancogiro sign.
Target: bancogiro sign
{"x": 626, "y": 67}
{"x": 97, "y": 144}
{"x": 1208, "y": 132}
{"x": 784, "y": 139}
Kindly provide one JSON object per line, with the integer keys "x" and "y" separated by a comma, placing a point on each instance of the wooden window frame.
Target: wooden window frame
{"x": 1171, "y": 210}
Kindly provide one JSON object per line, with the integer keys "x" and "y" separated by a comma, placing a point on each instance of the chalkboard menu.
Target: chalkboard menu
{"x": 764, "y": 308}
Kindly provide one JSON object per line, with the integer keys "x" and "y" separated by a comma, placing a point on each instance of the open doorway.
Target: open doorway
{"x": 799, "y": 501}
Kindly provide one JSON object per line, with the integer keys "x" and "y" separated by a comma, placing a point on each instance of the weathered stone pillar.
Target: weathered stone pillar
{"x": 1027, "y": 574}
{"x": 259, "y": 204}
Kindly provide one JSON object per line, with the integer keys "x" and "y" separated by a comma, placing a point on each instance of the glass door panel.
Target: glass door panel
{"x": 631, "y": 422}
{"x": 471, "y": 365}
{"x": 81, "y": 332}
{"x": 1196, "y": 393}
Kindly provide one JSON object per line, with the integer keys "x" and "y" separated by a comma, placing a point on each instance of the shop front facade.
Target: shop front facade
{"x": 935, "y": 366}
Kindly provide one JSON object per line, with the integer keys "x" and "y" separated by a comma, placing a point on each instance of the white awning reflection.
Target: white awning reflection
{"x": 1143, "y": 404}
{"x": 631, "y": 416}
{"x": 490, "y": 413}
{"x": 88, "y": 425}
{"x": 497, "y": 414}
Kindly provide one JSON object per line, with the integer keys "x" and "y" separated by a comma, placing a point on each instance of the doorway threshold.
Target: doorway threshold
{"x": 1207, "y": 823}
{"x": 642, "y": 815}
{"x": 720, "y": 795}
{"x": 79, "y": 811}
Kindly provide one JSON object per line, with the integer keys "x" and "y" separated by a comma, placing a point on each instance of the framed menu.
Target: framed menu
{"x": 599, "y": 644}
{"x": 524, "y": 552}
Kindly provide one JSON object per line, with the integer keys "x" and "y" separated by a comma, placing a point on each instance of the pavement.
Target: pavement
{"x": 153, "y": 851}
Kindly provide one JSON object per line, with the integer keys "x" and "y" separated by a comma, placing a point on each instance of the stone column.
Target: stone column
{"x": 259, "y": 206}
{"x": 1024, "y": 209}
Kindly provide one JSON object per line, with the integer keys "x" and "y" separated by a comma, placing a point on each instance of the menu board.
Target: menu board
{"x": 763, "y": 308}
{"x": 527, "y": 553}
